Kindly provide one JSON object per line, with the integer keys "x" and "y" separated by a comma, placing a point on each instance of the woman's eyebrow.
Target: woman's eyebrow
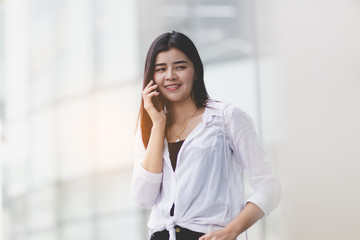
{"x": 176, "y": 62}
{"x": 160, "y": 64}
{"x": 179, "y": 62}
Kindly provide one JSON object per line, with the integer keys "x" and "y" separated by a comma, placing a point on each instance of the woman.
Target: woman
{"x": 191, "y": 152}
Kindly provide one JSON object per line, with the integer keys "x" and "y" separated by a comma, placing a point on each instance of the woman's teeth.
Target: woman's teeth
{"x": 173, "y": 86}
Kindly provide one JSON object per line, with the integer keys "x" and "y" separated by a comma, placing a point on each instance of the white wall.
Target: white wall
{"x": 310, "y": 82}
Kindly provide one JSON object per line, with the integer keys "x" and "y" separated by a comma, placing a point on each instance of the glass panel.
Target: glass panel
{"x": 75, "y": 64}
{"x": 43, "y": 32}
{"x": 116, "y": 113}
{"x": 222, "y": 30}
{"x": 41, "y": 88}
{"x": 42, "y": 155}
{"x": 16, "y": 59}
{"x": 236, "y": 79}
{"x": 75, "y": 139}
{"x": 126, "y": 226}
{"x": 75, "y": 200}
{"x": 112, "y": 193}
{"x": 15, "y": 179}
{"x": 41, "y": 209}
{"x": 2, "y": 69}
{"x": 78, "y": 230}
{"x": 19, "y": 236}
{"x": 15, "y": 162}
{"x": 116, "y": 41}
{"x": 44, "y": 235}
{"x": 17, "y": 209}
{"x": 17, "y": 137}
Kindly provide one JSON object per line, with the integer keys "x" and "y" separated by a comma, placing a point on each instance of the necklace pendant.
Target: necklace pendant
{"x": 177, "y": 140}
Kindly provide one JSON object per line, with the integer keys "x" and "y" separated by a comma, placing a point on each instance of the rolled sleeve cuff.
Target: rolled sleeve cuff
{"x": 266, "y": 203}
{"x": 149, "y": 177}
{"x": 259, "y": 203}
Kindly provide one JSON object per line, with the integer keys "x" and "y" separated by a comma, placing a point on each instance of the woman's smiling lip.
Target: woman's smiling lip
{"x": 172, "y": 87}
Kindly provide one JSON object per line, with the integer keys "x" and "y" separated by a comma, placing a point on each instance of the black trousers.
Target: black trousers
{"x": 181, "y": 234}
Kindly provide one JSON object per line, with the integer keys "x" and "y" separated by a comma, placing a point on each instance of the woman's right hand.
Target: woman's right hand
{"x": 158, "y": 118}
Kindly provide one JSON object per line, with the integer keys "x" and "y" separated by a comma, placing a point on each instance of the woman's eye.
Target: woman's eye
{"x": 180, "y": 67}
{"x": 160, "y": 70}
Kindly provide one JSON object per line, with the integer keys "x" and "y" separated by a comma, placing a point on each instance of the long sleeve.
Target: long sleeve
{"x": 145, "y": 186}
{"x": 252, "y": 158}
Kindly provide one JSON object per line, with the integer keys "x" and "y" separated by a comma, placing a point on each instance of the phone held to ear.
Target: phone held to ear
{"x": 157, "y": 102}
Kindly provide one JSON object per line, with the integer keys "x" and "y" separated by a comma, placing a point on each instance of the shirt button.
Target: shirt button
{"x": 177, "y": 230}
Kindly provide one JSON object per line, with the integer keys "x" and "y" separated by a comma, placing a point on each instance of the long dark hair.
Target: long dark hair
{"x": 163, "y": 43}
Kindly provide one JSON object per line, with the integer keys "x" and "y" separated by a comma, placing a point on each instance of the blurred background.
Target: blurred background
{"x": 70, "y": 85}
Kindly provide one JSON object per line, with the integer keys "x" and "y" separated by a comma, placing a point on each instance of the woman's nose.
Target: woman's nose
{"x": 171, "y": 75}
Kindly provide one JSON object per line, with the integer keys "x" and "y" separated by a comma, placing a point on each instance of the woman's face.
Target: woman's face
{"x": 174, "y": 74}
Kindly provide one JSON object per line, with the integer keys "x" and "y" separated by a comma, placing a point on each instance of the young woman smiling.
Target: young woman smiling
{"x": 191, "y": 152}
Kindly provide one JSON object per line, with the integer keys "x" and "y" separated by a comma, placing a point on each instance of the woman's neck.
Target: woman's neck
{"x": 180, "y": 112}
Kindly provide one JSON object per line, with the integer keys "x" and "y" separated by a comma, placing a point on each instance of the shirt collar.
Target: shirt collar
{"x": 212, "y": 110}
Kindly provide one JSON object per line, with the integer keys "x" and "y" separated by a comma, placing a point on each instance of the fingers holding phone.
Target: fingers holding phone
{"x": 152, "y": 103}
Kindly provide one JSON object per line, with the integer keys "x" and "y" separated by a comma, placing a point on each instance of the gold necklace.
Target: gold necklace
{"x": 187, "y": 121}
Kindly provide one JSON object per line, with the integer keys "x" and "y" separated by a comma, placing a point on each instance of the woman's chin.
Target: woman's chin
{"x": 172, "y": 99}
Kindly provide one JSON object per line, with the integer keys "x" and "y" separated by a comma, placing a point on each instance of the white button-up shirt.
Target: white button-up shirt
{"x": 207, "y": 187}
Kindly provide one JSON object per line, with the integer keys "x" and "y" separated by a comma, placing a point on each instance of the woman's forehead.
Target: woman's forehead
{"x": 170, "y": 56}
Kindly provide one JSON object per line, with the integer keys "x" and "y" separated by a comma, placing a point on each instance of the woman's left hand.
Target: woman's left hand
{"x": 222, "y": 234}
